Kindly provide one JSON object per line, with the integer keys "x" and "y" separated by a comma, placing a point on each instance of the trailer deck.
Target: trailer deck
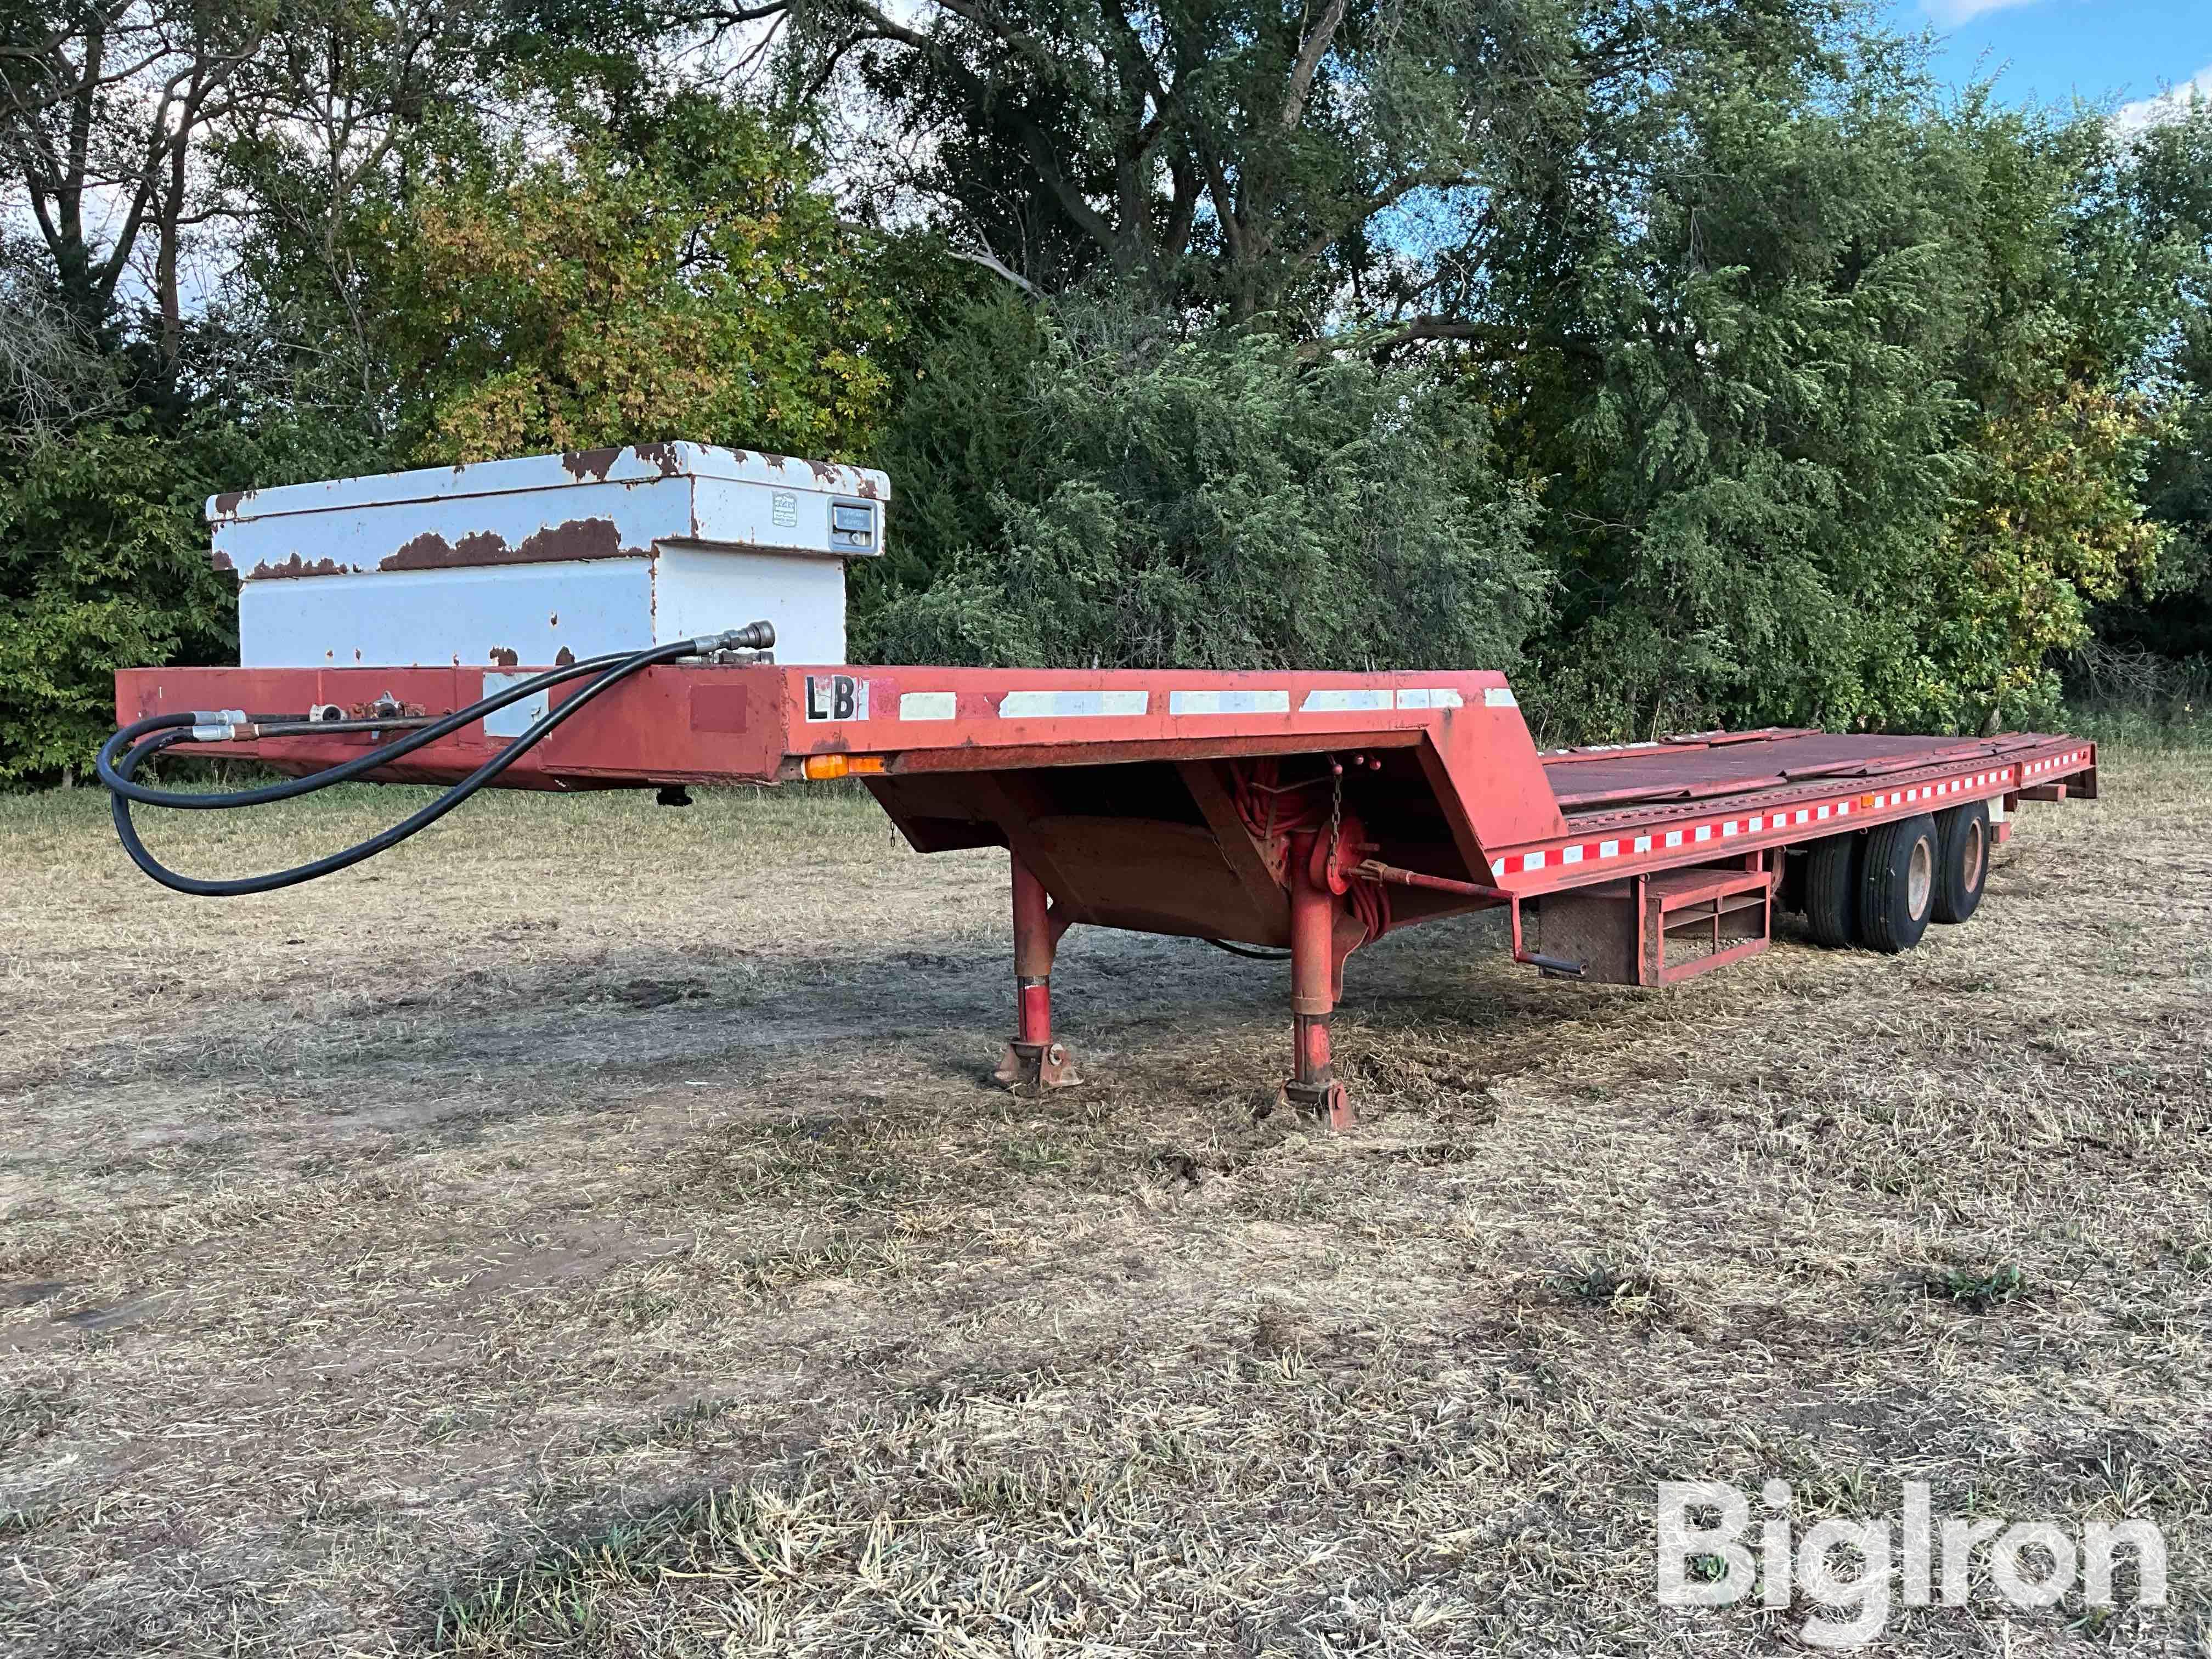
{"x": 1311, "y": 812}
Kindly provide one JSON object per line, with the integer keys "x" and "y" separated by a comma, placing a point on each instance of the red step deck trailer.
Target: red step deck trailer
{"x": 1309, "y": 812}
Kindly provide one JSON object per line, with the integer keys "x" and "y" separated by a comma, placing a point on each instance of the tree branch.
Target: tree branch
{"x": 1506, "y": 341}
{"x": 1309, "y": 56}
{"x": 1085, "y": 218}
{"x": 992, "y": 262}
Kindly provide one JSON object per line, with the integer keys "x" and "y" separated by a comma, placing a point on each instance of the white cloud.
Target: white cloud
{"x": 1949, "y": 13}
{"x": 2170, "y": 105}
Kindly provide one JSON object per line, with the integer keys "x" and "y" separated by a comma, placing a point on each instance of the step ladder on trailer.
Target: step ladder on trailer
{"x": 1664, "y": 927}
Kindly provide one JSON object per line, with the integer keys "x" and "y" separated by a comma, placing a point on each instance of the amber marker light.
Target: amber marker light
{"x": 840, "y": 766}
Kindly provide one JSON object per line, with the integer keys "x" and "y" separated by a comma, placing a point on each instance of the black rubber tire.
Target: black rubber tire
{"x": 1962, "y": 860}
{"x": 1832, "y": 890}
{"x": 1789, "y": 894}
{"x": 1897, "y": 894}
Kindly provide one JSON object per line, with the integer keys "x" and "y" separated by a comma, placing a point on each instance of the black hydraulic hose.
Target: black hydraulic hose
{"x": 162, "y": 731}
{"x": 121, "y": 783}
{"x": 1249, "y": 955}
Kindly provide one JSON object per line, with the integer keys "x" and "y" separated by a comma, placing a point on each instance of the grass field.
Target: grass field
{"x": 588, "y": 1229}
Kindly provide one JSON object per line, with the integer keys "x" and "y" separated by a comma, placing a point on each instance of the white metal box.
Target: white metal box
{"x": 547, "y": 558}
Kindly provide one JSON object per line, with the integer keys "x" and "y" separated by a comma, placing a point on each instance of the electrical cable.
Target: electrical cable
{"x": 147, "y": 737}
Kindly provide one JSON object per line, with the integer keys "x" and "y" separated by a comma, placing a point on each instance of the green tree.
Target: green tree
{"x": 681, "y": 278}
{"x": 2167, "y": 185}
{"x": 1238, "y": 155}
{"x": 103, "y": 564}
{"x": 123, "y": 402}
{"x": 1211, "y": 502}
{"x": 1825, "y": 387}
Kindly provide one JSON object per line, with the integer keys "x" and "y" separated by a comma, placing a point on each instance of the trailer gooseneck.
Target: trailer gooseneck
{"x": 1309, "y": 813}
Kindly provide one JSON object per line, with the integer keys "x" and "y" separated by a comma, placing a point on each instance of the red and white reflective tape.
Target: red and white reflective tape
{"x": 2072, "y": 761}
{"x": 1757, "y": 823}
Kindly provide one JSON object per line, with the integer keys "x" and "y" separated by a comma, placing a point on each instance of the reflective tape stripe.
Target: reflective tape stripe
{"x": 1343, "y": 700}
{"x": 1229, "y": 702}
{"x": 1036, "y": 705}
{"x": 928, "y": 704}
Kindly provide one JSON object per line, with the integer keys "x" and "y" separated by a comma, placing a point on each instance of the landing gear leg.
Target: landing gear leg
{"x": 1317, "y": 969}
{"x": 1033, "y": 1062}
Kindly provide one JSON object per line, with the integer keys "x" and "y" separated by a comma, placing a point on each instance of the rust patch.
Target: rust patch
{"x": 867, "y": 486}
{"x": 775, "y": 461}
{"x": 825, "y": 472}
{"x": 663, "y": 456}
{"x": 503, "y": 657}
{"x": 428, "y": 551}
{"x": 228, "y": 503}
{"x": 296, "y": 566}
{"x": 563, "y": 658}
{"x": 578, "y": 539}
{"x": 593, "y": 464}
{"x": 221, "y": 560}
{"x": 553, "y": 621}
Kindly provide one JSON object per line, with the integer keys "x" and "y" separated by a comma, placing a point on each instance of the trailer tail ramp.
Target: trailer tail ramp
{"x": 1306, "y": 812}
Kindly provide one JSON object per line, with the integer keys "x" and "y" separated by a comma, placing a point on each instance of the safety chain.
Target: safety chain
{"x": 1335, "y": 812}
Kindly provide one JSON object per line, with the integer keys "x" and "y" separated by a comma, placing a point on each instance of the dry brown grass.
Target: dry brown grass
{"x": 587, "y": 1230}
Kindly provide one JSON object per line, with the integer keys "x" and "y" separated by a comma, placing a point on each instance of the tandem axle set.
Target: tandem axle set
{"x": 1307, "y": 813}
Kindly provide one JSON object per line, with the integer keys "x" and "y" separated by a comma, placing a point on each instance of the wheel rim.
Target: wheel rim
{"x": 1969, "y": 859}
{"x": 1920, "y": 876}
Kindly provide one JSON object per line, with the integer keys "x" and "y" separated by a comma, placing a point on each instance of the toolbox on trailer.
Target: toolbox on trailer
{"x": 1310, "y": 811}
{"x": 524, "y": 560}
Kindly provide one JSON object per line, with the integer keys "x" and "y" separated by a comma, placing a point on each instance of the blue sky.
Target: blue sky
{"x": 2124, "y": 50}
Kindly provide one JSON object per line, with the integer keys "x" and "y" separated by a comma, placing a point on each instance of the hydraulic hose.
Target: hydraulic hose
{"x": 121, "y": 783}
{"x": 1249, "y": 955}
{"x": 138, "y": 742}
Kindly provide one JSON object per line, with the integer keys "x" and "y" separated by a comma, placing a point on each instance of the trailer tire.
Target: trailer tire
{"x": 1962, "y": 865}
{"x": 1789, "y": 891}
{"x": 1830, "y": 890}
{"x": 1897, "y": 899}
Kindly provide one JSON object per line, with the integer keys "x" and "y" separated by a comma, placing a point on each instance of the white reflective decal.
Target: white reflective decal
{"x": 1046, "y": 705}
{"x": 927, "y": 705}
{"x": 1229, "y": 702}
{"x": 1499, "y": 697}
{"x": 1436, "y": 697}
{"x": 1343, "y": 701}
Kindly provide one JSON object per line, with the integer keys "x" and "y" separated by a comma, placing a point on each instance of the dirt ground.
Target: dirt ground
{"x": 590, "y": 1228}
